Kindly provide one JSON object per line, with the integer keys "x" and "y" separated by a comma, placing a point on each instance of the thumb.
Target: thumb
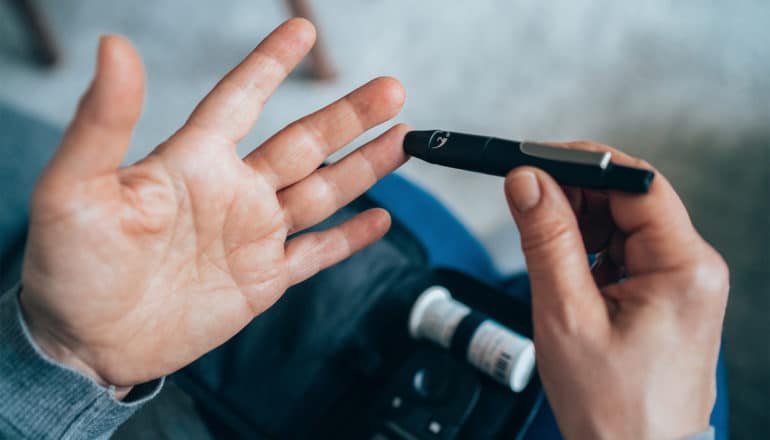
{"x": 99, "y": 134}
{"x": 563, "y": 291}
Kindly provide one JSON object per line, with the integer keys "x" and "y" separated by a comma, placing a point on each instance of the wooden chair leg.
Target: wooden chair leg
{"x": 44, "y": 46}
{"x": 320, "y": 63}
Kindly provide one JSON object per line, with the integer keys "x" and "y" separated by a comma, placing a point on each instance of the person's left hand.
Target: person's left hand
{"x": 132, "y": 273}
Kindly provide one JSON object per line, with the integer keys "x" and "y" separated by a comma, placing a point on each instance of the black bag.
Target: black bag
{"x": 329, "y": 358}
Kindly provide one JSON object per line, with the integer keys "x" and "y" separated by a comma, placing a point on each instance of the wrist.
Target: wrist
{"x": 633, "y": 423}
{"x": 47, "y": 341}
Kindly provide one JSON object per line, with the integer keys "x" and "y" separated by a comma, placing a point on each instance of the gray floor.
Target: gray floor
{"x": 685, "y": 84}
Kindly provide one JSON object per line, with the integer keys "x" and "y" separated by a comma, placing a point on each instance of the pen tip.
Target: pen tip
{"x": 416, "y": 142}
{"x": 629, "y": 179}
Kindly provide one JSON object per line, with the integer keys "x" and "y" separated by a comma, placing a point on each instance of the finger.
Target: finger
{"x": 563, "y": 290}
{"x": 593, "y": 214}
{"x": 97, "y": 138}
{"x": 297, "y": 150}
{"x": 659, "y": 232}
{"x": 575, "y": 198}
{"x": 616, "y": 248}
{"x": 230, "y": 110}
{"x": 605, "y": 271}
{"x": 328, "y": 189}
{"x": 310, "y": 253}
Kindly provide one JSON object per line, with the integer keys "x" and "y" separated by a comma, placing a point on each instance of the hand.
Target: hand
{"x": 132, "y": 273}
{"x": 628, "y": 350}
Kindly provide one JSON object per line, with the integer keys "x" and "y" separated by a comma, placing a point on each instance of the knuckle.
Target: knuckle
{"x": 555, "y": 323}
{"x": 721, "y": 273}
{"x": 286, "y": 218}
{"x": 568, "y": 322}
{"x": 313, "y": 137}
{"x": 563, "y": 320}
{"x": 708, "y": 279}
{"x": 359, "y": 110}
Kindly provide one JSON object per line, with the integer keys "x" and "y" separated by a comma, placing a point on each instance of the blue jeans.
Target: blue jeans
{"x": 450, "y": 245}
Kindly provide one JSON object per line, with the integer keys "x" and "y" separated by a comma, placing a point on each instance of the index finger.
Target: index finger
{"x": 657, "y": 225}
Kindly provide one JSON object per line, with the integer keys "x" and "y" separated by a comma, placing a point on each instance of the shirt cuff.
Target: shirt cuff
{"x": 43, "y": 399}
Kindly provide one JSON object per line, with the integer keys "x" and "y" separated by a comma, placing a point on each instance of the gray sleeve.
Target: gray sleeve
{"x": 41, "y": 399}
{"x": 705, "y": 435}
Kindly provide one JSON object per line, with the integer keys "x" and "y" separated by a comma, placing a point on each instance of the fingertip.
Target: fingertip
{"x": 392, "y": 92}
{"x": 114, "y": 42}
{"x": 515, "y": 175}
{"x": 365, "y": 229}
{"x": 548, "y": 184}
{"x": 301, "y": 23}
{"x": 509, "y": 178}
{"x": 117, "y": 90}
{"x": 302, "y": 29}
{"x": 531, "y": 190}
{"x": 117, "y": 49}
{"x": 398, "y": 132}
{"x": 401, "y": 129}
{"x": 397, "y": 90}
{"x": 522, "y": 190}
{"x": 393, "y": 152}
{"x": 119, "y": 65}
{"x": 380, "y": 220}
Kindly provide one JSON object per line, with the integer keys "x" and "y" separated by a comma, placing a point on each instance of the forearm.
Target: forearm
{"x": 42, "y": 399}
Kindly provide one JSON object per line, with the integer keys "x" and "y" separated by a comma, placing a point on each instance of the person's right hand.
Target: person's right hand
{"x": 628, "y": 349}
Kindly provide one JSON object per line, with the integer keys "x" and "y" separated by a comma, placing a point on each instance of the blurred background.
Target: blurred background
{"x": 684, "y": 84}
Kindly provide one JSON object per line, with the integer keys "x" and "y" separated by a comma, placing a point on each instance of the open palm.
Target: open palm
{"x": 132, "y": 273}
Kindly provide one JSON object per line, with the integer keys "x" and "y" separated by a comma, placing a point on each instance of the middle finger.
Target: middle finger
{"x": 313, "y": 199}
{"x": 299, "y": 149}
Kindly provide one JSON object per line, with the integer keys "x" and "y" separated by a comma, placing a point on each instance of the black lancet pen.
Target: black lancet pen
{"x": 495, "y": 156}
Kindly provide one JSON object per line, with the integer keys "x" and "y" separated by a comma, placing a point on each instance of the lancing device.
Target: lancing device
{"x": 496, "y": 156}
{"x": 505, "y": 356}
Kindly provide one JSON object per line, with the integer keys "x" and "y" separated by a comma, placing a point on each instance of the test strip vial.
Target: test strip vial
{"x": 502, "y": 354}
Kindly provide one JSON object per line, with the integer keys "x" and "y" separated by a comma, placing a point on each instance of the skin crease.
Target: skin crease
{"x": 131, "y": 273}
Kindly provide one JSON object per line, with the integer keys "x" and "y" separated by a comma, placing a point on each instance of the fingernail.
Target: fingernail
{"x": 524, "y": 190}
